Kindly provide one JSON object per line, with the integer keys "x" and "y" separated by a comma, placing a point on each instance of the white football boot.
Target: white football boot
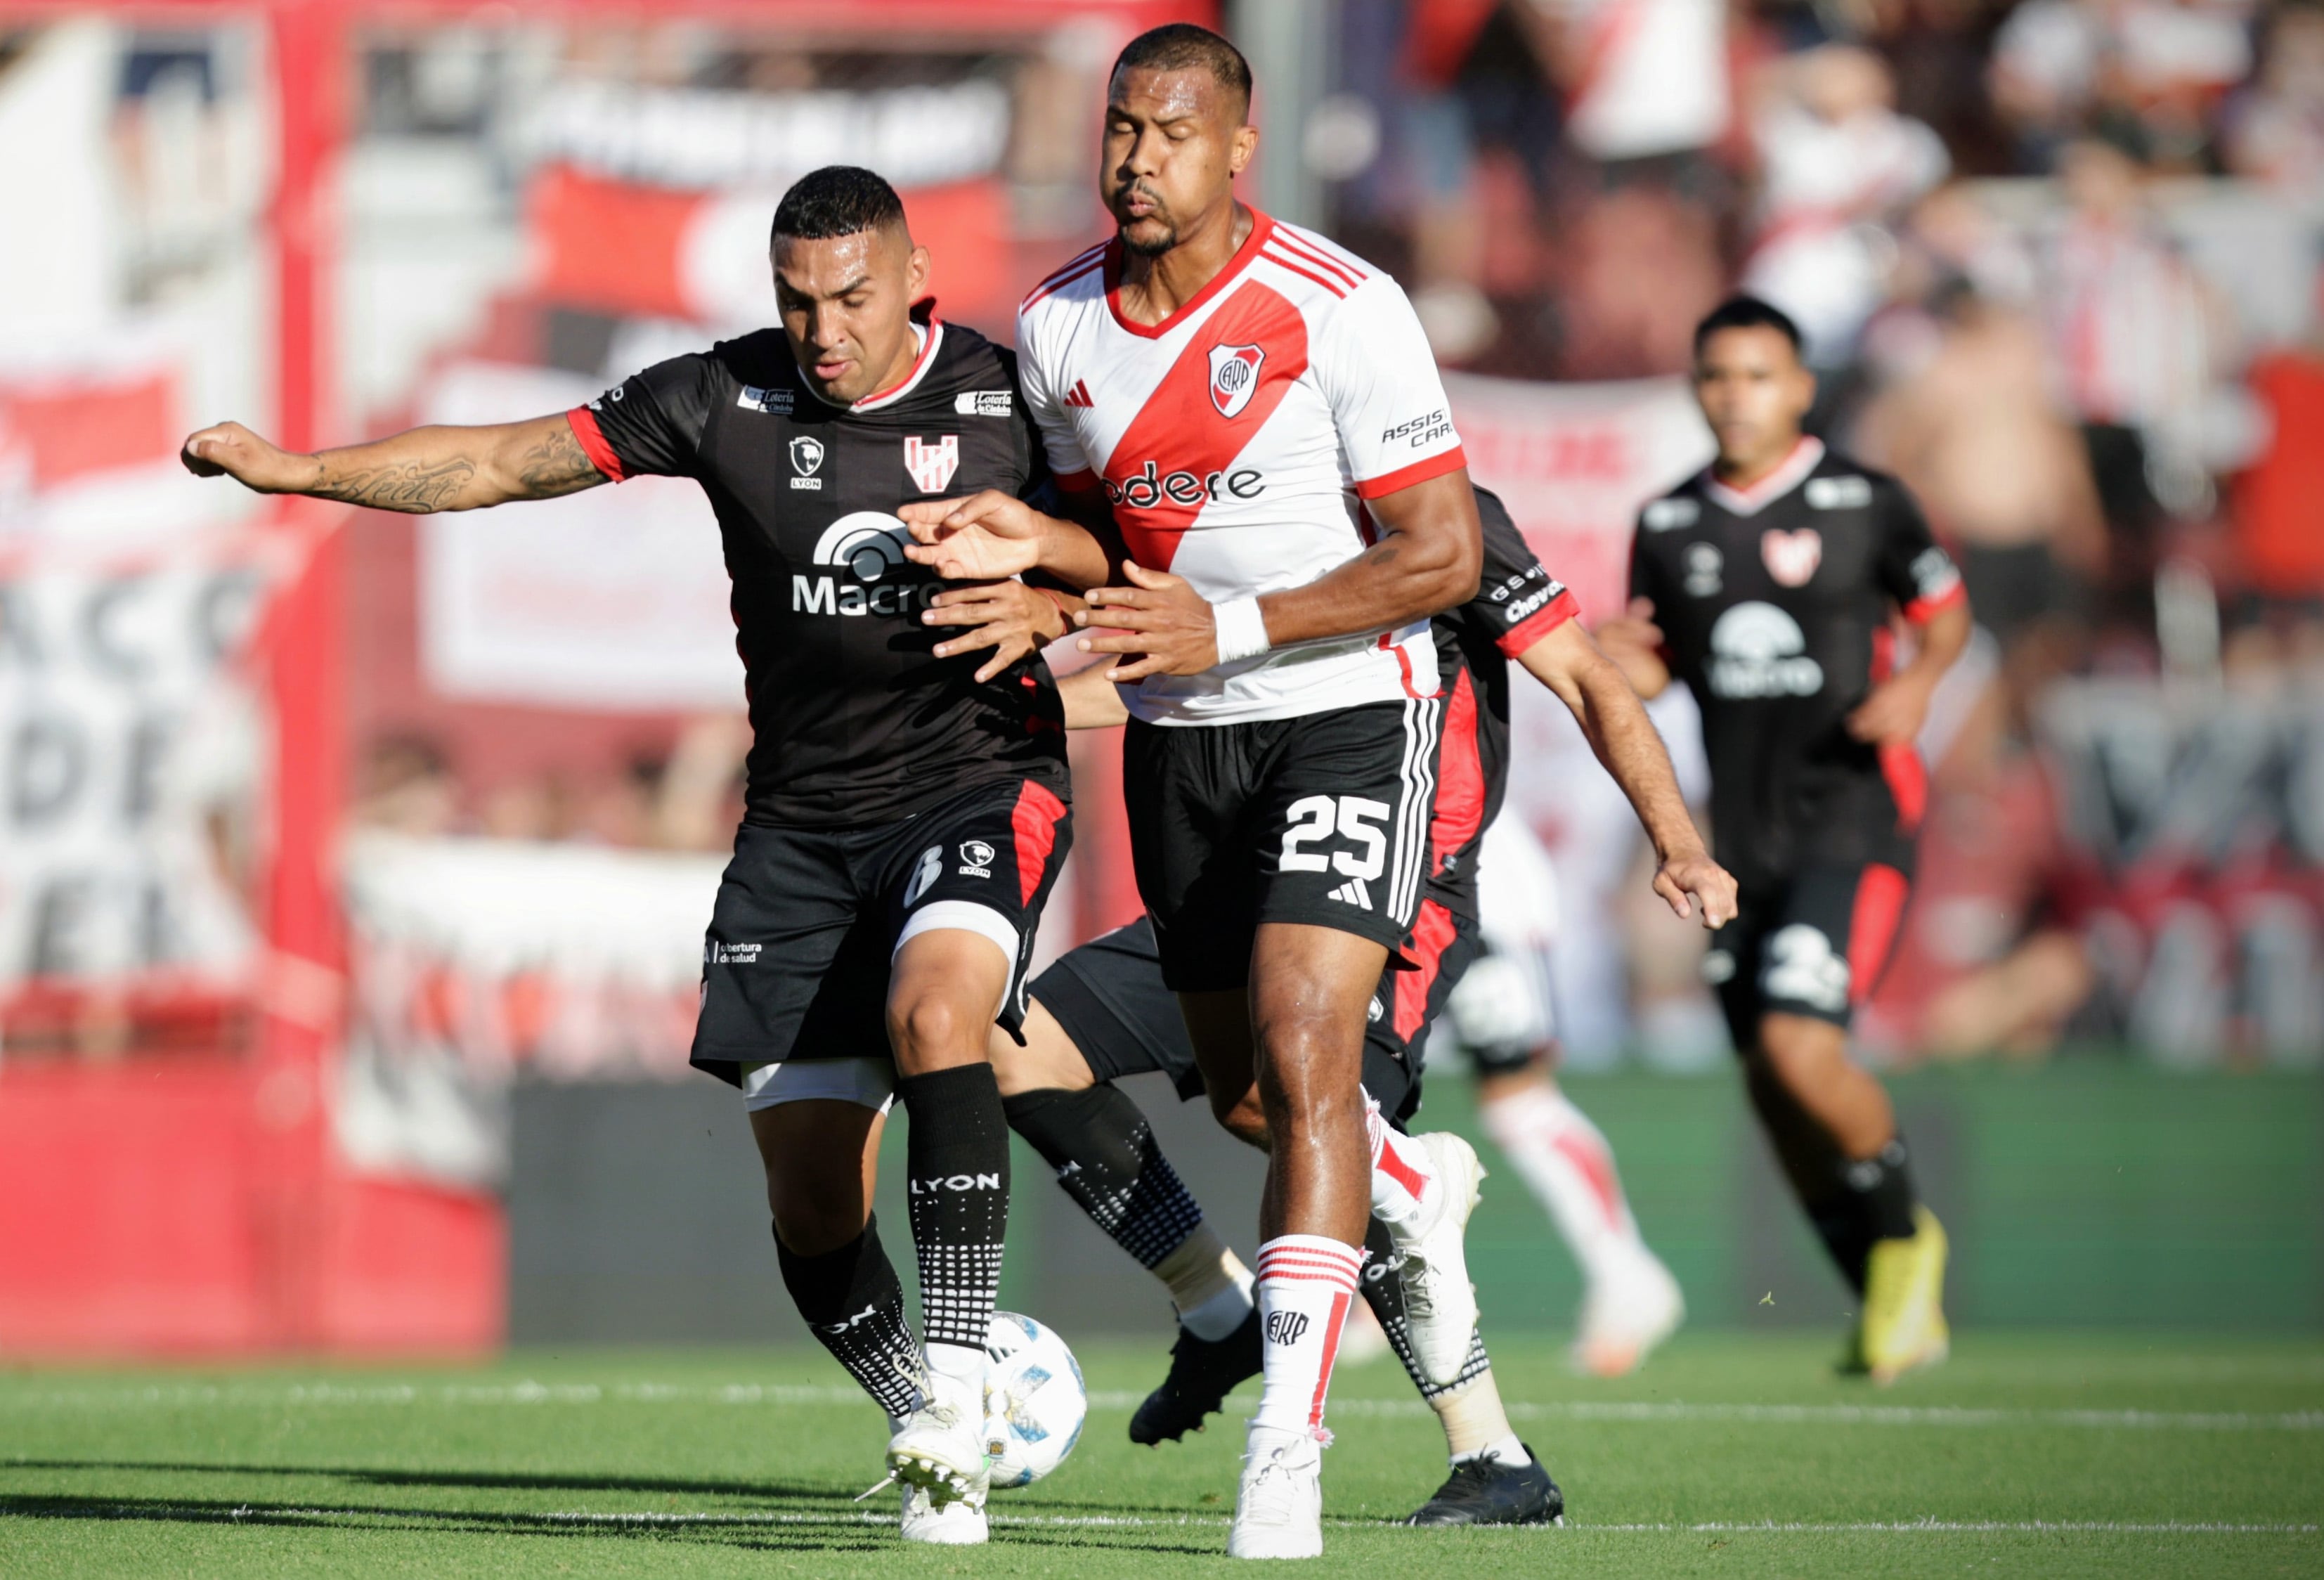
{"x": 958, "y": 1523}
{"x": 1279, "y": 1510}
{"x": 1440, "y": 1304}
{"x": 938, "y": 1453}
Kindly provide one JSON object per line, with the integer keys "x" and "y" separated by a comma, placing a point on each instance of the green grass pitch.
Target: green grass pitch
{"x": 2050, "y": 1455}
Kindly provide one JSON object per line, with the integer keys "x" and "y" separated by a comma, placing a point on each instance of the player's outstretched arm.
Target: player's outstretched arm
{"x": 993, "y": 534}
{"x": 1586, "y": 681}
{"x": 420, "y": 471}
{"x": 1427, "y": 559}
{"x": 1893, "y": 713}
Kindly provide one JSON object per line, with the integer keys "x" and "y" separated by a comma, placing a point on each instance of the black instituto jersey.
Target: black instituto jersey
{"x": 853, "y": 723}
{"x": 1775, "y": 606}
{"x": 1518, "y": 604}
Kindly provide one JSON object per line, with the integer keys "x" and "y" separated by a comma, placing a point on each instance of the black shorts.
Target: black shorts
{"x": 795, "y": 966}
{"x": 1110, "y": 997}
{"x": 1322, "y": 819}
{"x": 1814, "y": 944}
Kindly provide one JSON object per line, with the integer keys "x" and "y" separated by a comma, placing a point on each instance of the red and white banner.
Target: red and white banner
{"x": 636, "y": 251}
{"x": 1574, "y": 462}
{"x": 133, "y": 746}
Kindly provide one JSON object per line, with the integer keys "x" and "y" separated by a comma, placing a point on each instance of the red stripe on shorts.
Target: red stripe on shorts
{"x": 1431, "y": 934}
{"x": 1880, "y": 896}
{"x": 1035, "y": 819}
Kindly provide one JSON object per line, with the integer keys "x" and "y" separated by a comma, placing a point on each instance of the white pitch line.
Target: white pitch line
{"x": 665, "y": 1519}
{"x": 173, "y": 1396}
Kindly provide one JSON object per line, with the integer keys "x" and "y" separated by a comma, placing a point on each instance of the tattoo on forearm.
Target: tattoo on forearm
{"x": 553, "y": 464}
{"x": 414, "y": 487}
{"x": 556, "y": 465}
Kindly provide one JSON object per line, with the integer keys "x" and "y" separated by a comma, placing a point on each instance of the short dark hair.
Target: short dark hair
{"x": 1745, "y": 312}
{"x": 839, "y": 199}
{"x": 1180, "y": 46}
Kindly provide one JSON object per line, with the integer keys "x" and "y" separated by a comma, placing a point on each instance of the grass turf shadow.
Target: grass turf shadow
{"x": 503, "y": 1481}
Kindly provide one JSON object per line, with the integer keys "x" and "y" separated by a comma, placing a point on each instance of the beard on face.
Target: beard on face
{"x": 1155, "y": 244}
{"x": 1150, "y": 246}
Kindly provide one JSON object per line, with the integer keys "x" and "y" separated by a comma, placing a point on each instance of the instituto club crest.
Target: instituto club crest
{"x": 1234, "y": 376}
{"x": 932, "y": 465}
{"x": 1792, "y": 558}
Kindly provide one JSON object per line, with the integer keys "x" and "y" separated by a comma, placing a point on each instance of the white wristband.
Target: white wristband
{"x": 1241, "y": 629}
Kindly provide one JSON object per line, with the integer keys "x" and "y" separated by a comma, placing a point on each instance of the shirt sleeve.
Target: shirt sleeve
{"x": 650, "y": 423}
{"x": 1911, "y": 566}
{"x": 1070, "y": 467}
{"x": 1518, "y": 600}
{"x": 1373, "y": 364}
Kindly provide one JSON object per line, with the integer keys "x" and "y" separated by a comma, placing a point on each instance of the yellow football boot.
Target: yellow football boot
{"x": 1904, "y": 1322}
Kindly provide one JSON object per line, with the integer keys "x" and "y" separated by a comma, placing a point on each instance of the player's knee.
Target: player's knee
{"x": 932, "y": 1028}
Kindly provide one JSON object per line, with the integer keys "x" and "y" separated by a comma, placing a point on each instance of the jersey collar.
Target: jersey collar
{"x": 1805, "y": 457}
{"x": 930, "y": 329}
{"x": 1262, "y": 228}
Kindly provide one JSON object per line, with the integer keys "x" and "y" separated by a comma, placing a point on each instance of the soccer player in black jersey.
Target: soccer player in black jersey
{"x": 1772, "y": 584}
{"x": 1102, "y": 1012}
{"x": 906, "y": 816}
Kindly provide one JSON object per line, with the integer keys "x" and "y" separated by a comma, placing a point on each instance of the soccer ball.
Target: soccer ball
{"x": 1034, "y": 1403}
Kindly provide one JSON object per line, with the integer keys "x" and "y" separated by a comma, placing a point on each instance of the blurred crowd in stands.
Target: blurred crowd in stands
{"x": 2057, "y": 264}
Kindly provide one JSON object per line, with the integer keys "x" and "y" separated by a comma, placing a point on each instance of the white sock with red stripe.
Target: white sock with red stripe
{"x": 1566, "y": 1163}
{"x": 1307, "y": 1282}
{"x": 1405, "y": 1189}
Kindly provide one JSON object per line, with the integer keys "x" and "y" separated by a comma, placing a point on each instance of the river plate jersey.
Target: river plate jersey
{"x": 853, "y": 721}
{"x": 1518, "y": 604}
{"x": 1775, "y": 604}
{"x": 1236, "y": 441}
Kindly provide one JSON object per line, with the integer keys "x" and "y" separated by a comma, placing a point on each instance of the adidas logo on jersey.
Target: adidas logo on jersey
{"x": 1079, "y": 395}
{"x": 1355, "y": 893}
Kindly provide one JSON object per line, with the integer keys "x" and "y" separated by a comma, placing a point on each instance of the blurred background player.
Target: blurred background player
{"x": 904, "y": 822}
{"x": 1103, "y": 1012}
{"x": 1770, "y": 583}
{"x": 1502, "y": 1014}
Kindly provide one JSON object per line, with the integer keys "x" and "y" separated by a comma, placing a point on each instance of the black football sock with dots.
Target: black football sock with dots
{"x": 1105, "y": 1156}
{"x": 1382, "y": 1283}
{"x": 854, "y": 1305}
{"x": 956, "y": 1169}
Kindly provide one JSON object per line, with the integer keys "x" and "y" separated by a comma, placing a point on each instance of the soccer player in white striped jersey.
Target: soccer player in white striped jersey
{"x": 1273, "y": 501}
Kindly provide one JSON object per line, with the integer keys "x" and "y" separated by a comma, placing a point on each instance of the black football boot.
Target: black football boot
{"x": 1486, "y": 1491}
{"x": 1202, "y": 1373}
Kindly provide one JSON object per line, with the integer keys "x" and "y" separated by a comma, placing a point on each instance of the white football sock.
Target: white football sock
{"x": 1305, "y": 1285}
{"x": 1570, "y": 1169}
{"x": 1405, "y": 1190}
{"x": 1208, "y": 1284}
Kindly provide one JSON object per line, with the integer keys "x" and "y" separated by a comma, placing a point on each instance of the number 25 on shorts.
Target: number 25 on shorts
{"x": 1312, "y": 821}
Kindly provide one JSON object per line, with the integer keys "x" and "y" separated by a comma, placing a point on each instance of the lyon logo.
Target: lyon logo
{"x": 932, "y": 465}
{"x": 1792, "y": 558}
{"x": 1234, "y": 376}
